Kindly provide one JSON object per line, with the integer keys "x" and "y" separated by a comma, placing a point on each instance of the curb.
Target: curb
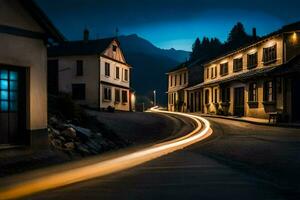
{"x": 253, "y": 122}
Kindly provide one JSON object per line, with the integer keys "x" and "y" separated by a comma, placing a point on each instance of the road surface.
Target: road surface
{"x": 198, "y": 172}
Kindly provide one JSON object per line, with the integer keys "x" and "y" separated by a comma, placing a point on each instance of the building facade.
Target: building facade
{"x": 180, "y": 78}
{"x": 24, "y": 34}
{"x": 256, "y": 80}
{"x": 177, "y": 82}
{"x": 94, "y": 72}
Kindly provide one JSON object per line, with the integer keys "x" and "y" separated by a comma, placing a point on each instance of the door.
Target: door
{"x": 296, "y": 100}
{"x": 12, "y": 105}
{"x": 239, "y": 101}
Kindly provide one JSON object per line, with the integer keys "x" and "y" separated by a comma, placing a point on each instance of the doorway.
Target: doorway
{"x": 12, "y": 105}
{"x": 239, "y": 101}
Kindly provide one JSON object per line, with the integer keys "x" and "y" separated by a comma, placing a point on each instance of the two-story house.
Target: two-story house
{"x": 257, "y": 79}
{"x": 24, "y": 35}
{"x": 94, "y": 72}
{"x": 180, "y": 78}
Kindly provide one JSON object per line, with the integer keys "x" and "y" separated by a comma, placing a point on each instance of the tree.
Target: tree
{"x": 237, "y": 37}
{"x": 196, "y": 50}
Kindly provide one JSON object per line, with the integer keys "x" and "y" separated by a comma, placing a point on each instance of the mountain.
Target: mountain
{"x": 150, "y": 65}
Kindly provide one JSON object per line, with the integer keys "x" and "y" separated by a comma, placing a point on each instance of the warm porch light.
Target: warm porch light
{"x": 294, "y": 37}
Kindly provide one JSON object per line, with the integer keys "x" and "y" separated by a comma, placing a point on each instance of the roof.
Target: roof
{"x": 41, "y": 18}
{"x": 283, "y": 29}
{"x": 187, "y": 64}
{"x": 81, "y": 47}
{"x": 241, "y": 76}
{"x": 179, "y": 67}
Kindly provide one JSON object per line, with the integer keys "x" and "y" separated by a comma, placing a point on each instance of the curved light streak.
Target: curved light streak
{"x": 99, "y": 169}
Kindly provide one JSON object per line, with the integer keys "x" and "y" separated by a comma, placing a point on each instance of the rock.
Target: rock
{"x": 82, "y": 133}
{"x": 69, "y": 145}
{"x": 69, "y": 132}
{"x": 56, "y": 143}
{"x": 82, "y": 149}
{"x": 61, "y": 138}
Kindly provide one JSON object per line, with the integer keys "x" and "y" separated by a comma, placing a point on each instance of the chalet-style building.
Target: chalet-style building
{"x": 94, "y": 72}
{"x": 25, "y": 32}
{"x": 180, "y": 78}
{"x": 257, "y": 80}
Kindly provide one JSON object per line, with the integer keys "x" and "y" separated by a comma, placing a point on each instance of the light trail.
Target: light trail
{"x": 110, "y": 166}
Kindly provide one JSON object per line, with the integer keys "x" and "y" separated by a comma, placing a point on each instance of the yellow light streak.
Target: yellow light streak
{"x": 110, "y": 166}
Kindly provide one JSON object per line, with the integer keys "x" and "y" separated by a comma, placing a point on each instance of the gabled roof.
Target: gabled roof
{"x": 72, "y": 48}
{"x": 41, "y": 18}
{"x": 287, "y": 28}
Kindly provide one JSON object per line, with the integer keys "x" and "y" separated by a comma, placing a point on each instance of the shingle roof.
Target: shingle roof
{"x": 82, "y": 47}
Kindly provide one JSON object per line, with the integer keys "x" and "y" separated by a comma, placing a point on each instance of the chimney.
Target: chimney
{"x": 86, "y": 35}
{"x": 254, "y": 33}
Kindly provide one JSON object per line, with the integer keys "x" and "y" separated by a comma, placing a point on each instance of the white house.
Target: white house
{"x": 24, "y": 34}
{"x": 94, "y": 72}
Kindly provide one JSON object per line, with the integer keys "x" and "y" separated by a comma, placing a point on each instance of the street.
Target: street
{"x": 210, "y": 169}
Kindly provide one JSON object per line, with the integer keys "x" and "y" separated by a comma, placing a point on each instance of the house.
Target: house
{"x": 94, "y": 72}
{"x": 181, "y": 77}
{"x": 25, "y": 32}
{"x": 257, "y": 80}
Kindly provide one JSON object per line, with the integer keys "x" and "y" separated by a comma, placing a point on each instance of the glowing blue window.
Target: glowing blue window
{"x": 13, "y": 96}
{"x": 3, "y": 84}
{"x": 13, "y": 106}
{"x": 4, "y": 106}
{"x": 13, "y": 85}
{"x": 3, "y": 74}
{"x": 13, "y": 76}
{"x": 4, "y": 95}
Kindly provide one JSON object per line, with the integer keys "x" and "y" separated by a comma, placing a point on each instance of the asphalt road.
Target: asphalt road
{"x": 229, "y": 165}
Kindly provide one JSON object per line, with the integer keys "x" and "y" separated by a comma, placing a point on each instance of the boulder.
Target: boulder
{"x": 69, "y": 132}
{"x": 69, "y": 146}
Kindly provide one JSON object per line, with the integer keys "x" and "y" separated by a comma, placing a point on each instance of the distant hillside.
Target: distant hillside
{"x": 150, "y": 65}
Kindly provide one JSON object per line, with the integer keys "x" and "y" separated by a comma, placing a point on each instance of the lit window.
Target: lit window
{"x": 270, "y": 54}
{"x": 269, "y": 95}
{"x": 253, "y": 92}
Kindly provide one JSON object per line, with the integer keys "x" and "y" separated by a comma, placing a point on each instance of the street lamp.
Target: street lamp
{"x": 154, "y": 97}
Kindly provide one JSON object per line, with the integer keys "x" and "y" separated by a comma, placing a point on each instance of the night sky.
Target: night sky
{"x": 168, "y": 23}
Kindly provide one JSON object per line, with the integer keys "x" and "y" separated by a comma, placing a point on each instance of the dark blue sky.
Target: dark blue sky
{"x": 168, "y": 23}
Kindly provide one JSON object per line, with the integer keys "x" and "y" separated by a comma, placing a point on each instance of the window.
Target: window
{"x": 224, "y": 69}
{"x": 175, "y": 80}
{"x": 107, "y": 69}
{"x": 79, "y": 68}
{"x": 106, "y": 93}
{"x": 124, "y": 96}
{"x": 237, "y": 64}
{"x": 184, "y": 78}
{"x": 117, "y": 95}
{"x": 253, "y": 92}
{"x": 78, "y": 91}
{"x": 126, "y": 74}
{"x": 8, "y": 91}
{"x": 269, "y": 94}
{"x": 269, "y": 54}
{"x": 170, "y": 99}
{"x": 117, "y": 72}
{"x": 216, "y": 96}
{"x": 206, "y": 96}
{"x": 212, "y": 72}
{"x": 207, "y": 73}
{"x": 252, "y": 60}
{"x": 180, "y": 79}
{"x": 114, "y": 47}
{"x": 225, "y": 94}
{"x": 171, "y": 81}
